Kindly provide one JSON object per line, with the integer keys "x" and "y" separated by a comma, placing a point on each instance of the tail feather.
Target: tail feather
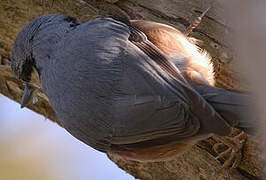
{"x": 235, "y": 107}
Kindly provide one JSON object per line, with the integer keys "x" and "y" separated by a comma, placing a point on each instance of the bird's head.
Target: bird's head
{"x": 23, "y": 63}
{"x": 22, "y": 60}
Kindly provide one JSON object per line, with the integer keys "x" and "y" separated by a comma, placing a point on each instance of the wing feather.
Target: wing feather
{"x": 165, "y": 117}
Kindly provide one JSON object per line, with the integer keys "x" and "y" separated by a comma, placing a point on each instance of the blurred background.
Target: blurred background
{"x": 33, "y": 148}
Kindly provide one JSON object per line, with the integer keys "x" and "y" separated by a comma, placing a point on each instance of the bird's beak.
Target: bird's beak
{"x": 27, "y": 94}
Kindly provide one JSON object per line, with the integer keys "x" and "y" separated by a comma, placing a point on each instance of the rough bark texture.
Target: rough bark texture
{"x": 199, "y": 162}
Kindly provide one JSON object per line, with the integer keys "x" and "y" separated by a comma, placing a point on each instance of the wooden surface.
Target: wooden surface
{"x": 215, "y": 33}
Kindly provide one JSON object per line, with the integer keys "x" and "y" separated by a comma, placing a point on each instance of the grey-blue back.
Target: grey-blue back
{"x": 110, "y": 94}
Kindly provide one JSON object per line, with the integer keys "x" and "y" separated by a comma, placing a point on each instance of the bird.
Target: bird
{"x": 137, "y": 90}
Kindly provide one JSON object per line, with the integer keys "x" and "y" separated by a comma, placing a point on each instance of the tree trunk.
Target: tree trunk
{"x": 215, "y": 33}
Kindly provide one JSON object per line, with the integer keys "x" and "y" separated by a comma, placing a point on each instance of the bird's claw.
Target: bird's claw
{"x": 233, "y": 154}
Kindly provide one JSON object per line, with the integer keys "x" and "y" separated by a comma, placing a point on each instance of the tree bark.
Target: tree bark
{"x": 215, "y": 33}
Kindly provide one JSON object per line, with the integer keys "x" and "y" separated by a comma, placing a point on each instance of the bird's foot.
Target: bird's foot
{"x": 233, "y": 154}
{"x": 196, "y": 22}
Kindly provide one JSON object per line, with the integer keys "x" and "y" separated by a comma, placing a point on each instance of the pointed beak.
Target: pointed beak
{"x": 27, "y": 95}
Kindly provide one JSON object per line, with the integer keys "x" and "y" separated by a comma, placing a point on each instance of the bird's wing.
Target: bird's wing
{"x": 195, "y": 64}
{"x": 173, "y": 111}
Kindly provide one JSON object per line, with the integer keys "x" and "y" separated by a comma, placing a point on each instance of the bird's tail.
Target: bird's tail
{"x": 235, "y": 107}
